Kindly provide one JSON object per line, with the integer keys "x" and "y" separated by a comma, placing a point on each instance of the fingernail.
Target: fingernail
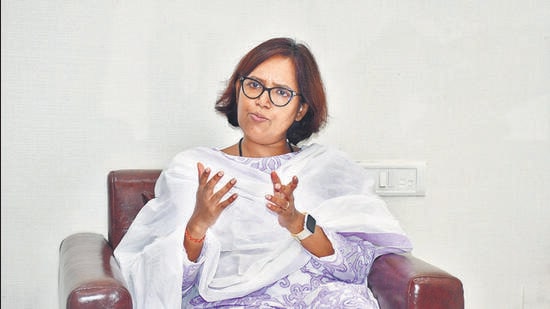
{"x": 233, "y": 181}
{"x": 277, "y": 186}
{"x": 220, "y": 173}
{"x": 268, "y": 196}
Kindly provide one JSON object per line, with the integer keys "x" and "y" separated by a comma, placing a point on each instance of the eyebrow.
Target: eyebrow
{"x": 275, "y": 85}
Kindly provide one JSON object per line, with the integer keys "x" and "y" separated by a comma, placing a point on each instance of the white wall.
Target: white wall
{"x": 92, "y": 86}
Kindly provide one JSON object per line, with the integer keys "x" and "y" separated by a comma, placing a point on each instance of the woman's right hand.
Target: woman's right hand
{"x": 209, "y": 204}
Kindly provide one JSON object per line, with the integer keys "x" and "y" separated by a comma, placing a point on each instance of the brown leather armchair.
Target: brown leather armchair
{"x": 89, "y": 276}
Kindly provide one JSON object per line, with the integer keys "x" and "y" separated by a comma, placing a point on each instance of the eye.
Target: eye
{"x": 253, "y": 84}
{"x": 282, "y": 92}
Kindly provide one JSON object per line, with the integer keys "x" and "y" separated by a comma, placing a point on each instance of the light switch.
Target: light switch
{"x": 398, "y": 178}
{"x": 383, "y": 178}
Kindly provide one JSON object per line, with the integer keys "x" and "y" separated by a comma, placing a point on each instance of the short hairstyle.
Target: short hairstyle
{"x": 310, "y": 85}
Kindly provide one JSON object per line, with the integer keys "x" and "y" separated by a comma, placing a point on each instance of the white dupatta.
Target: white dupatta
{"x": 246, "y": 249}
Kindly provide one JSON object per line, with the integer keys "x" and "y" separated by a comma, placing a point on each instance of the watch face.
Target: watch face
{"x": 310, "y": 223}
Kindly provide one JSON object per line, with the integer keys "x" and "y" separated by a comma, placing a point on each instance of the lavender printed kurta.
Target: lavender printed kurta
{"x": 248, "y": 260}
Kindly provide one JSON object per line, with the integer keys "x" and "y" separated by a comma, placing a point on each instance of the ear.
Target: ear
{"x": 302, "y": 111}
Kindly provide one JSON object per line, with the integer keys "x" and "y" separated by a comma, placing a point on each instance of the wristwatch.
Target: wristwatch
{"x": 309, "y": 228}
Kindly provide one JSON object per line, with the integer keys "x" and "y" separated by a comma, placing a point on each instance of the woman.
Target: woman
{"x": 262, "y": 223}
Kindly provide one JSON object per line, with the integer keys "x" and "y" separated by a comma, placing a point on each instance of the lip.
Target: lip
{"x": 258, "y": 117}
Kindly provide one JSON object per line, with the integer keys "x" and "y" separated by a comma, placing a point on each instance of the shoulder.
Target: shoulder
{"x": 319, "y": 151}
{"x": 322, "y": 158}
{"x": 189, "y": 157}
{"x": 196, "y": 152}
{"x": 334, "y": 161}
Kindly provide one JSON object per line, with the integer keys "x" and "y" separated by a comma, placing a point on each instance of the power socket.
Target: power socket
{"x": 397, "y": 178}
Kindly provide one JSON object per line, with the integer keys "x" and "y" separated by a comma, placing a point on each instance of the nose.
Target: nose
{"x": 263, "y": 100}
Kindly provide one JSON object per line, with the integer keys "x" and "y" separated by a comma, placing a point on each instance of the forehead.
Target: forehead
{"x": 276, "y": 70}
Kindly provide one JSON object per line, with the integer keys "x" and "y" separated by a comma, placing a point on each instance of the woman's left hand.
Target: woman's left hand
{"x": 282, "y": 203}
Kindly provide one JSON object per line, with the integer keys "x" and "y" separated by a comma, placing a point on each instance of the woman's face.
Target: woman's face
{"x": 260, "y": 120}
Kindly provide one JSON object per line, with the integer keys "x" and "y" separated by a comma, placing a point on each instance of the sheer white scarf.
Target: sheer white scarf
{"x": 246, "y": 249}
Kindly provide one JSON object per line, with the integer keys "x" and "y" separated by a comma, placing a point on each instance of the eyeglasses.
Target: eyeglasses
{"x": 253, "y": 89}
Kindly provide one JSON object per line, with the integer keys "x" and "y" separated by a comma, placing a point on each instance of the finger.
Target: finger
{"x": 228, "y": 201}
{"x": 200, "y": 169}
{"x": 288, "y": 190}
{"x": 275, "y": 180}
{"x": 286, "y": 206}
{"x": 214, "y": 181}
{"x": 203, "y": 173}
{"x": 279, "y": 200}
{"x": 223, "y": 191}
{"x": 276, "y": 209}
{"x": 293, "y": 183}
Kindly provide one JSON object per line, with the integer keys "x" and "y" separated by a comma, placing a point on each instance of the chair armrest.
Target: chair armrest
{"x": 89, "y": 276}
{"x": 402, "y": 281}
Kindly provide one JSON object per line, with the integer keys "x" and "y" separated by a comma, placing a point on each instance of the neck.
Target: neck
{"x": 248, "y": 148}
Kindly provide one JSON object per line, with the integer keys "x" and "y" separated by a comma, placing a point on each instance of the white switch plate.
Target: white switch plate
{"x": 397, "y": 178}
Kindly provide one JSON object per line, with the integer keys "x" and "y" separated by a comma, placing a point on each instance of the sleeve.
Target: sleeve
{"x": 191, "y": 270}
{"x": 150, "y": 254}
{"x": 351, "y": 260}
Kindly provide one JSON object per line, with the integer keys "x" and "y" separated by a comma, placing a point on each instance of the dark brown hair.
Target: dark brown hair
{"x": 310, "y": 85}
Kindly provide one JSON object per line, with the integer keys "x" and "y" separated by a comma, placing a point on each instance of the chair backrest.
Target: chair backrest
{"x": 128, "y": 191}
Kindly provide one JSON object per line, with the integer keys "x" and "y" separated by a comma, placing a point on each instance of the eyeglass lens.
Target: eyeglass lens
{"x": 279, "y": 96}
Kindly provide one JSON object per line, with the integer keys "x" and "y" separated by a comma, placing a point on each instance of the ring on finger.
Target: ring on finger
{"x": 287, "y": 205}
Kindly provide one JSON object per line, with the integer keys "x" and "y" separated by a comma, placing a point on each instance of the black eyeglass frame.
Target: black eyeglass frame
{"x": 264, "y": 88}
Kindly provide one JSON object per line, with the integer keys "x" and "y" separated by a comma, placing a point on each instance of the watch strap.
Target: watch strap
{"x": 309, "y": 228}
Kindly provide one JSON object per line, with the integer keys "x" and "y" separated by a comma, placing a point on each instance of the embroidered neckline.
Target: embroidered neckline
{"x": 263, "y": 164}
{"x": 241, "y": 147}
